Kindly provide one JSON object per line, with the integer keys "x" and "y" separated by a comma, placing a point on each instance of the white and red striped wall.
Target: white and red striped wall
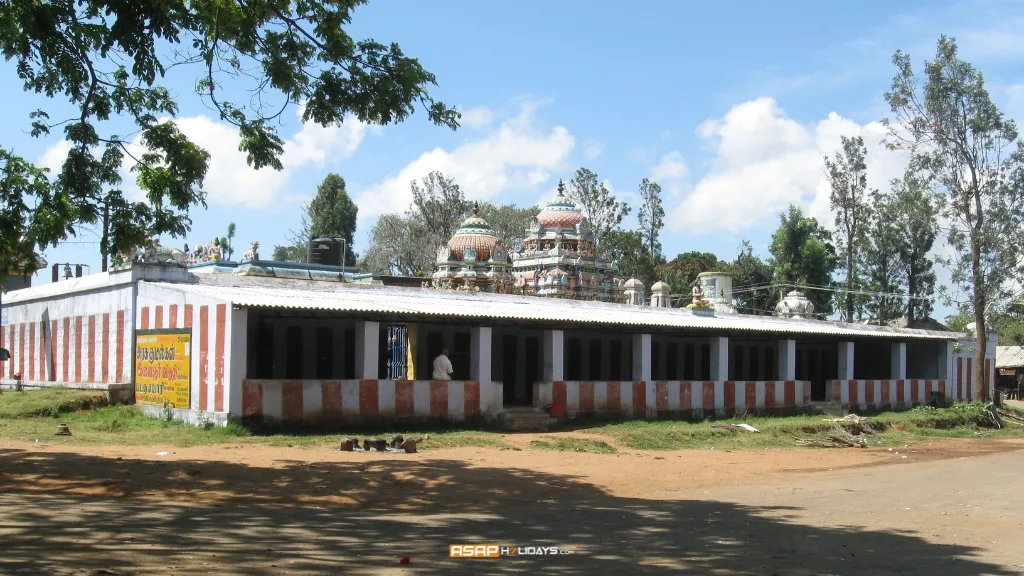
{"x": 82, "y": 340}
{"x": 865, "y": 394}
{"x": 367, "y": 400}
{"x": 966, "y": 386}
{"x": 211, "y": 322}
{"x": 659, "y": 397}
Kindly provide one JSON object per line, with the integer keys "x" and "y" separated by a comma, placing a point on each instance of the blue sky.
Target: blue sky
{"x": 729, "y": 105}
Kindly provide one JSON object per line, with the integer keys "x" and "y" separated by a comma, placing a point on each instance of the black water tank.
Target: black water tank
{"x": 325, "y": 251}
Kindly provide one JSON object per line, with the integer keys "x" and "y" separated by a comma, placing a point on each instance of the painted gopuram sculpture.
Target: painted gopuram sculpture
{"x": 558, "y": 258}
{"x": 474, "y": 260}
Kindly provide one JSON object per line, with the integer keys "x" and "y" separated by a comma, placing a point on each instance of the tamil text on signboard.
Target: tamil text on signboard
{"x": 162, "y": 362}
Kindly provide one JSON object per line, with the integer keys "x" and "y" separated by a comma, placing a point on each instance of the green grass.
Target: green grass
{"x": 47, "y": 402}
{"x": 34, "y": 415}
{"x": 891, "y": 428}
{"x": 574, "y": 445}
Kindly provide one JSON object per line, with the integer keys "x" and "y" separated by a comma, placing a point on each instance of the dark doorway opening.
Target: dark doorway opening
{"x": 595, "y": 361}
{"x": 460, "y": 357}
{"x": 293, "y": 359}
{"x": 324, "y": 353}
{"x": 574, "y": 359}
{"x": 265, "y": 351}
{"x": 532, "y": 367}
{"x": 348, "y": 371}
{"x": 509, "y": 372}
{"x": 615, "y": 361}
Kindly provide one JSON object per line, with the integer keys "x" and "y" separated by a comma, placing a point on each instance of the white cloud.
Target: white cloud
{"x": 229, "y": 178}
{"x": 477, "y": 118}
{"x": 592, "y": 149}
{"x": 54, "y": 156}
{"x": 517, "y": 155}
{"x": 764, "y": 160}
{"x": 671, "y": 167}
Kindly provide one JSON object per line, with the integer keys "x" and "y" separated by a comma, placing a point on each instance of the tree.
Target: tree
{"x": 848, "y": 177}
{"x": 440, "y": 205}
{"x": 332, "y": 213}
{"x": 627, "y": 249}
{"x": 508, "y": 221}
{"x": 883, "y": 261}
{"x": 290, "y": 253}
{"x": 685, "y": 267}
{"x": 107, "y": 60}
{"x": 399, "y": 244}
{"x": 753, "y": 290}
{"x": 651, "y": 216}
{"x": 602, "y": 209}
{"x": 803, "y": 257}
{"x": 28, "y": 213}
{"x": 915, "y": 213}
{"x": 960, "y": 137}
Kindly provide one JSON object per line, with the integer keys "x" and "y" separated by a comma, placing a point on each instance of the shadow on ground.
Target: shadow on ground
{"x": 64, "y": 513}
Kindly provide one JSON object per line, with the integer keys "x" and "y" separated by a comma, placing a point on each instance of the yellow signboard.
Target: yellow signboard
{"x": 162, "y": 367}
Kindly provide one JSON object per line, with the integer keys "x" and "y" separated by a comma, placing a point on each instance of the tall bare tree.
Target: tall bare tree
{"x": 440, "y": 205}
{"x": 948, "y": 119}
{"x": 848, "y": 176}
{"x": 604, "y": 211}
{"x": 651, "y": 216}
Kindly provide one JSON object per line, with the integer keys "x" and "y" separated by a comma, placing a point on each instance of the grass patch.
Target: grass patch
{"x": 31, "y": 416}
{"x": 48, "y": 402}
{"x": 891, "y": 428}
{"x": 574, "y": 445}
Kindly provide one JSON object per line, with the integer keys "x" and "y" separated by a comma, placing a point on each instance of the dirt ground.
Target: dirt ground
{"x": 949, "y": 507}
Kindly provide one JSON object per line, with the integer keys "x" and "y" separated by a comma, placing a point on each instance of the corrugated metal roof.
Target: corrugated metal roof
{"x": 294, "y": 294}
{"x": 1009, "y": 356}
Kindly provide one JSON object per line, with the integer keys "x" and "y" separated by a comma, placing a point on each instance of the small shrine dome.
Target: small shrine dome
{"x": 660, "y": 286}
{"x": 795, "y": 305}
{"x": 633, "y": 284}
{"x": 560, "y": 212}
{"x": 473, "y": 234}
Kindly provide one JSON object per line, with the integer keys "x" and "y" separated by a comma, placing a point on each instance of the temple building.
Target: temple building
{"x": 558, "y": 258}
{"x": 474, "y": 260}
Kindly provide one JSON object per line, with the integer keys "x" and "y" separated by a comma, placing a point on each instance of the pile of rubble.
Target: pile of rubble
{"x": 397, "y": 445}
{"x": 850, "y": 431}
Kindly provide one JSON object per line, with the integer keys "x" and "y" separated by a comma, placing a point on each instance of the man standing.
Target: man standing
{"x": 442, "y": 366}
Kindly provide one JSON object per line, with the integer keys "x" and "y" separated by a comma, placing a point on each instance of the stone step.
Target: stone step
{"x": 525, "y": 419}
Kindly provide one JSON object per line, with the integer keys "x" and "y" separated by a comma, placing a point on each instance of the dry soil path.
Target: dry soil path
{"x": 949, "y": 508}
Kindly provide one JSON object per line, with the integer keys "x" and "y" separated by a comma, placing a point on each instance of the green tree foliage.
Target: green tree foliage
{"x": 684, "y": 268}
{"x": 406, "y": 244}
{"x": 972, "y": 151}
{"x": 108, "y": 59}
{"x": 915, "y": 216}
{"x": 883, "y": 262}
{"x": 508, "y": 221}
{"x": 331, "y": 213}
{"x": 803, "y": 257}
{"x": 603, "y": 210}
{"x": 28, "y": 213}
{"x": 850, "y": 200}
{"x": 440, "y": 205}
{"x": 629, "y": 252}
{"x": 651, "y": 216}
{"x": 752, "y": 283}
{"x": 400, "y": 244}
